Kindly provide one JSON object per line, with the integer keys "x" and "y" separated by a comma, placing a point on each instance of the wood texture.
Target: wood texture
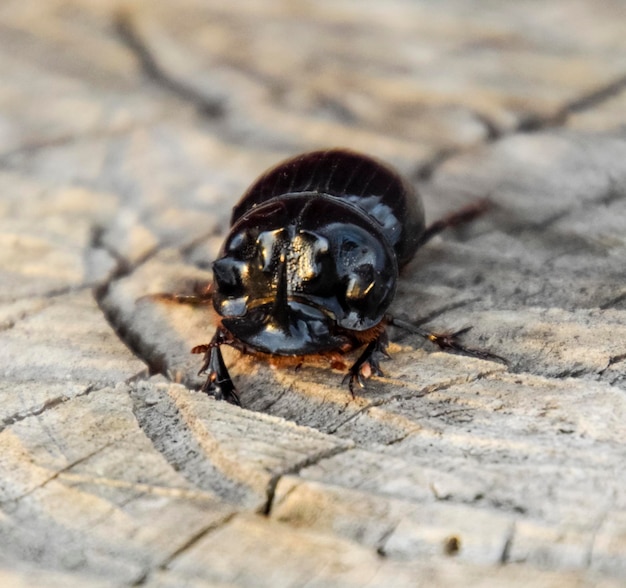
{"x": 127, "y": 133}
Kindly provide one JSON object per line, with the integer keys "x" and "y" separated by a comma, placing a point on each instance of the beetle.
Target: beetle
{"x": 311, "y": 262}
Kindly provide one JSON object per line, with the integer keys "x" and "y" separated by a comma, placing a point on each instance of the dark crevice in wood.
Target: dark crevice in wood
{"x": 49, "y": 404}
{"x": 480, "y": 499}
{"x": 597, "y": 96}
{"x": 493, "y": 132}
{"x": 539, "y": 231}
{"x": 274, "y": 399}
{"x": 59, "y": 473}
{"x": 612, "y": 361}
{"x": 544, "y": 225}
{"x": 394, "y": 397}
{"x": 426, "y": 171}
{"x": 32, "y": 148}
{"x": 381, "y": 544}
{"x": 398, "y": 439}
{"x": 615, "y": 193}
{"x": 309, "y": 461}
{"x": 617, "y": 359}
{"x": 451, "y": 412}
{"x": 271, "y": 494}
{"x": 21, "y": 316}
{"x": 127, "y": 32}
{"x": 594, "y": 537}
{"x": 422, "y": 320}
{"x": 507, "y": 506}
{"x": 157, "y": 362}
{"x": 613, "y": 301}
{"x": 532, "y": 123}
{"x": 528, "y": 123}
{"x": 176, "y": 442}
{"x": 195, "y": 538}
{"x": 47, "y": 295}
{"x": 337, "y": 110}
{"x": 506, "y": 548}
{"x": 143, "y": 578}
{"x": 571, "y": 373}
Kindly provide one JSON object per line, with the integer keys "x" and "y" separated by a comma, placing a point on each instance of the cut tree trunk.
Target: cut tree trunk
{"x": 128, "y": 132}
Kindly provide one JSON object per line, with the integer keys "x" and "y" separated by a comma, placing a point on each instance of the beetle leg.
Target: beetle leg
{"x": 462, "y": 216}
{"x": 370, "y": 358}
{"x": 218, "y": 383}
{"x": 446, "y": 341}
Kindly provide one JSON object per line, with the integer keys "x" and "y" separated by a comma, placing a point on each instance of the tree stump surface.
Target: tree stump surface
{"x": 127, "y": 133}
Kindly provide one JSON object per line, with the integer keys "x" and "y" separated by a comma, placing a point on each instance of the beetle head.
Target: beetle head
{"x": 296, "y": 282}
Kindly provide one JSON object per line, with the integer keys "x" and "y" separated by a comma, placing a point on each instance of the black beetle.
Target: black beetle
{"x": 311, "y": 262}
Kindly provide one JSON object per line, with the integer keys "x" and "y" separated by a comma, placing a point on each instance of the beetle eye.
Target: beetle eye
{"x": 229, "y": 274}
{"x": 360, "y": 284}
{"x": 357, "y": 254}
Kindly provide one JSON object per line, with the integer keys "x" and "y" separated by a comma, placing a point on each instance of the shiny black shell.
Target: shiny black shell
{"x": 312, "y": 257}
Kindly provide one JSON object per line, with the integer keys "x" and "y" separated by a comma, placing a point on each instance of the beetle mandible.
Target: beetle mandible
{"x": 311, "y": 262}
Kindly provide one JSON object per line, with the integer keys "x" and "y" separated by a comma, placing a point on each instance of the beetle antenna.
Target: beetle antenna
{"x": 203, "y": 295}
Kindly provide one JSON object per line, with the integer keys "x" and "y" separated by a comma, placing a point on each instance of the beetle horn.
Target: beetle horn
{"x": 280, "y": 308}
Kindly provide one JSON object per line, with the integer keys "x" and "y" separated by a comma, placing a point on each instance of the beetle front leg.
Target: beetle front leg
{"x": 369, "y": 358}
{"x": 218, "y": 383}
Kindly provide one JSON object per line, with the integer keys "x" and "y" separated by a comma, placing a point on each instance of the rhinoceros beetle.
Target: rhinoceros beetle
{"x": 311, "y": 262}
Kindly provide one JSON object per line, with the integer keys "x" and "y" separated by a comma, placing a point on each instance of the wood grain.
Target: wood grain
{"x": 127, "y": 133}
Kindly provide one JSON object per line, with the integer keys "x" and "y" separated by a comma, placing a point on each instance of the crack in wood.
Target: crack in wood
{"x": 506, "y": 547}
{"x": 9, "y": 324}
{"x": 532, "y": 123}
{"x": 48, "y": 295}
{"x": 598, "y": 96}
{"x": 176, "y": 442}
{"x": 213, "y": 108}
{"x": 418, "y": 394}
{"x": 499, "y": 505}
{"x": 425, "y": 171}
{"x": 163, "y": 566}
{"x": 58, "y": 473}
{"x": 129, "y": 34}
{"x": 309, "y": 461}
{"x": 613, "y": 301}
{"x": 29, "y": 149}
{"x": 48, "y": 405}
{"x": 139, "y": 487}
{"x": 197, "y": 537}
{"x": 528, "y": 123}
{"x": 422, "y": 320}
{"x": 157, "y": 362}
{"x": 381, "y": 544}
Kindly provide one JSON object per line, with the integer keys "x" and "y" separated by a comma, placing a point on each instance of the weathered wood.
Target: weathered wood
{"x": 127, "y": 132}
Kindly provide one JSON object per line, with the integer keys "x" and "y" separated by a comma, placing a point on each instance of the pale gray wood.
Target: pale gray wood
{"x": 126, "y": 135}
